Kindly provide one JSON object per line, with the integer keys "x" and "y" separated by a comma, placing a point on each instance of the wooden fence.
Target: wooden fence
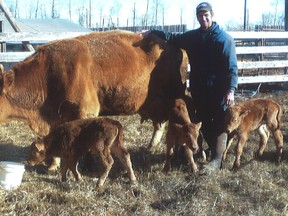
{"x": 269, "y": 50}
{"x": 262, "y": 50}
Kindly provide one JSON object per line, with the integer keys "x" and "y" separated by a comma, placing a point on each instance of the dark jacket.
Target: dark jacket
{"x": 213, "y": 62}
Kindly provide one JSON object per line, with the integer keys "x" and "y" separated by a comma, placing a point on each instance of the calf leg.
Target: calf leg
{"x": 229, "y": 143}
{"x": 107, "y": 161}
{"x": 264, "y": 136}
{"x": 239, "y": 149}
{"x": 189, "y": 155}
{"x": 64, "y": 169}
{"x": 73, "y": 166}
{"x": 123, "y": 155}
{"x": 54, "y": 164}
{"x": 278, "y": 139}
{"x": 169, "y": 155}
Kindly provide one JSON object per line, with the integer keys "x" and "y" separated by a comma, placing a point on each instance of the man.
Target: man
{"x": 213, "y": 77}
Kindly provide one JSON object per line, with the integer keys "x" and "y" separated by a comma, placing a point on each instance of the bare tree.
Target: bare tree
{"x": 37, "y": 8}
{"x": 90, "y": 14}
{"x": 101, "y": 17}
{"x": 81, "y": 15}
{"x": 275, "y": 13}
{"x": 54, "y": 13}
{"x": 156, "y": 12}
{"x": 146, "y": 14}
{"x": 134, "y": 16}
{"x": 70, "y": 12}
{"x": 16, "y": 12}
{"x": 43, "y": 11}
{"x": 163, "y": 17}
{"x": 114, "y": 12}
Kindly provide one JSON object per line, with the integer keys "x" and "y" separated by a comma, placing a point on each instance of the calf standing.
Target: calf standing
{"x": 181, "y": 131}
{"x": 71, "y": 140}
{"x": 263, "y": 115}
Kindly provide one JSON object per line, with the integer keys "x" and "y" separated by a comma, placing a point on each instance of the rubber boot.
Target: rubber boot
{"x": 217, "y": 152}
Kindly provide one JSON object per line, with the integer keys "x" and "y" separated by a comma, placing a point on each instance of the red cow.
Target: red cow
{"x": 102, "y": 73}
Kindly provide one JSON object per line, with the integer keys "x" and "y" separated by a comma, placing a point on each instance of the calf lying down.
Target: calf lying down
{"x": 71, "y": 140}
{"x": 181, "y": 131}
{"x": 263, "y": 115}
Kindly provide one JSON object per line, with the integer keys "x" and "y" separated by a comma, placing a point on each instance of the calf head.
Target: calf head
{"x": 37, "y": 152}
{"x": 190, "y": 133}
{"x": 233, "y": 117}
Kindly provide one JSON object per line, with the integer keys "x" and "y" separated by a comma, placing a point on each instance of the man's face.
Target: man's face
{"x": 205, "y": 19}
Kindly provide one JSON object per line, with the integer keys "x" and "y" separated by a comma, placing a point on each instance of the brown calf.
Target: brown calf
{"x": 260, "y": 114}
{"x": 181, "y": 131}
{"x": 71, "y": 140}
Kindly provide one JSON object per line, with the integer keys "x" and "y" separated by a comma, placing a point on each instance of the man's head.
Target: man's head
{"x": 204, "y": 15}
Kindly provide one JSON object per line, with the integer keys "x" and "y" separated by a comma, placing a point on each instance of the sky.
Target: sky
{"x": 227, "y": 12}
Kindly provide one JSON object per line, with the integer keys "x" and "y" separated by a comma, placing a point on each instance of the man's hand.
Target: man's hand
{"x": 229, "y": 98}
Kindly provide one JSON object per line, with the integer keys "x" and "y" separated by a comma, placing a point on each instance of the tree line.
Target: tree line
{"x": 90, "y": 14}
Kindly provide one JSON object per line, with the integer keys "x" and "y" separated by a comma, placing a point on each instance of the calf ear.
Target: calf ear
{"x": 39, "y": 146}
{"x": 244, "y": 113}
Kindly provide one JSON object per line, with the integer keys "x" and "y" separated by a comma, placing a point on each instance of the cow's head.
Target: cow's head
{"x": 233, "y": 117}
{"x": 37, "y": 152}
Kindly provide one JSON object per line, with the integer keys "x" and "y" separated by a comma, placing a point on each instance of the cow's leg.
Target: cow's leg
{"x": 107, "y": 161}
{"x": 169, "y": 155}
{"x": 264, "y": 136}
{"x": 239, "y": 149}
{"x": 55, "y": 163}
{"x": 123, "y": 155}
{"x": 278, "y": 139}
{"x": 158, "y": 131}
{"x": 189, "y": 155}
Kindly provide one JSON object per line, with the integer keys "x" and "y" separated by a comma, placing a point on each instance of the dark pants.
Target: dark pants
{"x": 210, "y": 111}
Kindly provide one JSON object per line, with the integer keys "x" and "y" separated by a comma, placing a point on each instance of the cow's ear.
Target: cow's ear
{"x": 1, "y": 69}
{"x": 8, "y": 78}
{"x": 1, "y": 77}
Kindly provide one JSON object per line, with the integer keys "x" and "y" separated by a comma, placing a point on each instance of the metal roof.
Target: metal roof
{"x": 49, "y": 25}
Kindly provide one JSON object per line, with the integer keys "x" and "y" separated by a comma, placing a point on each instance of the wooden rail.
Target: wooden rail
{"x": 259, "y": 43}
{"x": 257, "y": 39}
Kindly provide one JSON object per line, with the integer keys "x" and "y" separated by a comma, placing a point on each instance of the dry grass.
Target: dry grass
{"x": 258, "y": 188}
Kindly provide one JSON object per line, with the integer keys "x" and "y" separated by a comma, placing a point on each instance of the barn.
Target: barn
{"x": 29, "y": 28}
